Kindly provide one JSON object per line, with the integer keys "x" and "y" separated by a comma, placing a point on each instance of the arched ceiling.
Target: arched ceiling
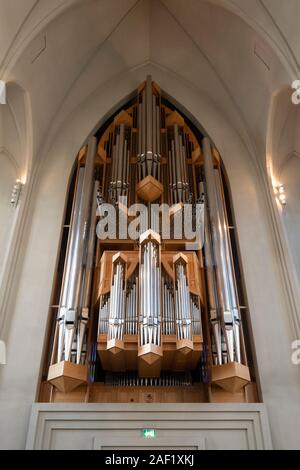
{"x": 236, "y": 52}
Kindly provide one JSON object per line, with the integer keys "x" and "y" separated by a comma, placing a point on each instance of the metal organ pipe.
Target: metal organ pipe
{"x": 214, "y": 310}
{"x": 71, "y": 295}
{"x": 117, "y": 300}
{"x": 195, "y": 314}
{"x": 177, "y": 161}
{"x": 149, "y": 147}
{"x": 88, "y": 275}
{"x": 168, "y": 313}
{"x": 104, "y": 314}
{"x": 221, "y": 247}
{"x": 150, "y": 314}
{"x": 132, "y": 306}
{"x": 120, "y": 164}
{"x": 182, "y": 301}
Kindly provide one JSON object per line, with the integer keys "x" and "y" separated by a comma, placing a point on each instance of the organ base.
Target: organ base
{"x": 66, "y": 376}
{"x": 115, "y": 346}
{"x": 232, "y": 377}
{"x": 103, "y": 393}
{"x": 179, "y": 356}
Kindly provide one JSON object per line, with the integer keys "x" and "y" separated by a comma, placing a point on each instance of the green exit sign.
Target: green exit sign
{"x": 149, "y": 433}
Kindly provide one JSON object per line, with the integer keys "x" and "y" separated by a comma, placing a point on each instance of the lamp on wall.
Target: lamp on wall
{"x": 280, "y": 194}
{"x": 16, "y": 192}
{"x": 2, "y": 353}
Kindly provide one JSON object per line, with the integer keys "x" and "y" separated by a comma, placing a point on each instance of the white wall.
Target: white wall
{"x": 283, "y": 163}
{"x": 290, "y": 177}
{"x": 7, "y": 180}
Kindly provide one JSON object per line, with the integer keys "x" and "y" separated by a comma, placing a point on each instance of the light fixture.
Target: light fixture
{"x": 2, "y": 353}
{"x": 16, "y": 193}
{"x": 280, "y": 194}
{"x": 2, "y": 92}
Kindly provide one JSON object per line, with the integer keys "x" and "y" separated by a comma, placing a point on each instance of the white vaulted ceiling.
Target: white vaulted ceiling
{"x": 237, "y": 53}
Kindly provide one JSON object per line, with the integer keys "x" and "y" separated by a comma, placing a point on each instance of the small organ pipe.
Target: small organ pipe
{"x": 168, "y": 306}
{"x": 131, "y": 379}
{"x": 230, "y": 273}
{"x": 104, "y": 314}
{"x": 131, "y": 310}
{"x": 183, "y": 307}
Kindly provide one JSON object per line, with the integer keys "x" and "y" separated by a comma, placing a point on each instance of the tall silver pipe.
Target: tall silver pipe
{"x": 224, "y": 269}
{"x": 131, "y": 309}
{"x": 88, "y": 274}
{"x": 144, "y": 132}
{"x": 63, "y": 311}
{"x": 214, "y": 309}
{"x": 230, "y": 272}
{"x": 178, "y": 165}
{"x": 149, "y": 291}
{"x": 120, "y": 165}
{"x": 175, "y": 170}
{"x": 149, "y": 117}
{"x": 149, "y": 133}
{"x": 72, "y": 288}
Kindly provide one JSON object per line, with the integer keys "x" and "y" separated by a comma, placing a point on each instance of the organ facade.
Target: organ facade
{"x": 148, "y": 302}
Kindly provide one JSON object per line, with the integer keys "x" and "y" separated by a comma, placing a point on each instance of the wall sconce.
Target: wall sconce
{"x": 2, "y": 353}
{"x": 2, "y": 92}
{"x": 280, "y": 194}
{"x": 16, "y": 193}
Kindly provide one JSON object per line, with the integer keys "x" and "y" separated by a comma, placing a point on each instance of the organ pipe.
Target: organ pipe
{"x": 132, "y": 306}
{"x": 149, "y": 145}
{"x": 195, "y": 314}
{"x": 120, "y": 164}
{"x": 104, "y": 314}
{"x": 179, "y": 183}
{"x": 150, "y": 304}
{"x": 71, "y": 295}
{"x": 117, "y": 299}
{"x": 168, "y": 311}
{"x": 226, "y": 287}
{"x": 167, "y": 379}
{"x": 182, "y": 300}
{"x": 214, "y": 310}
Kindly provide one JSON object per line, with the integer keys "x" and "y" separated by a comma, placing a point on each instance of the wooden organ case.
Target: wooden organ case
{"x": 141, "y": 310}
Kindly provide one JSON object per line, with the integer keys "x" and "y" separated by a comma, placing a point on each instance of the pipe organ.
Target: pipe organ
{"x": 155, "y": 311}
